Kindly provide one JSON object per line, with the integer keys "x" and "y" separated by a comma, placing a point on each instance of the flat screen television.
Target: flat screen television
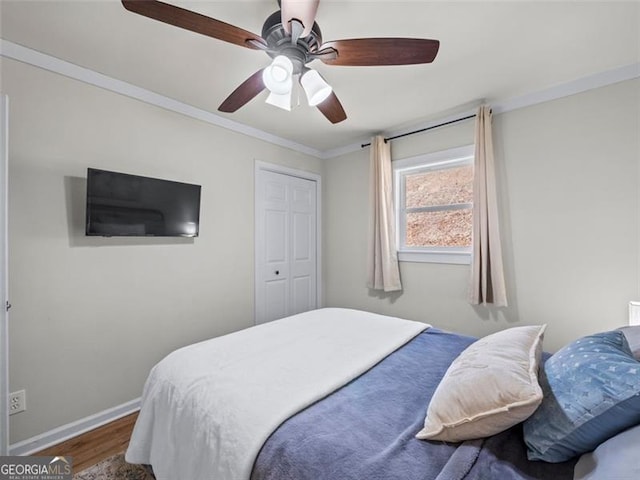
{"x": 125, "y": 205}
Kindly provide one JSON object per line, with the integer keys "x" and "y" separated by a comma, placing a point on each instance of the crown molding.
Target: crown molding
{"x": 47, "y": 62}
{"x": 590, "y": 82}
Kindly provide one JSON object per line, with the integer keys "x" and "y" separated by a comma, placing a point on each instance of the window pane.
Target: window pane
{"x": 450, "y": 228}
{"x": 440, "y": 187}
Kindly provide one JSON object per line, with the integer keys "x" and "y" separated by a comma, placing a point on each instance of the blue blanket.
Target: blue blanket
{"x": 365, "y": 430}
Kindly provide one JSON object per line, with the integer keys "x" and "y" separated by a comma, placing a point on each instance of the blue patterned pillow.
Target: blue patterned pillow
{"x": 591, "y": 392}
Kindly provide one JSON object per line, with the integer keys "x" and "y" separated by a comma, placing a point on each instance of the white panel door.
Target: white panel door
{"x": 286, "y": 250}
{"x": 302, "y": 210}
{"x": 275, "y": 265}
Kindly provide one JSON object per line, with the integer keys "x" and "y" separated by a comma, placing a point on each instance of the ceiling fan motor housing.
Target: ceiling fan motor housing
{"x": 279, "y": 42}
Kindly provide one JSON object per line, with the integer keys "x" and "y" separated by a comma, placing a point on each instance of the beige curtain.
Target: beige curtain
{"x": 384, "y": 273}
{"x": 487, "y": 275}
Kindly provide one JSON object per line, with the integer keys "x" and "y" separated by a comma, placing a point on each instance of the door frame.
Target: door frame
{"x": 4, "y": 261}
{"x": 292, "y": 172}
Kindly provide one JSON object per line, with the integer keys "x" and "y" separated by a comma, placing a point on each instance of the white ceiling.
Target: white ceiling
{"x": 489, "y": 50}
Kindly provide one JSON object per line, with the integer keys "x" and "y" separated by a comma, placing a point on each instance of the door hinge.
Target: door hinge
{"x": 7, "y": 306}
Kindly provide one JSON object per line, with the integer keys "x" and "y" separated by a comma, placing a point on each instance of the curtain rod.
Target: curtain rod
{"x": 423, "y": 129}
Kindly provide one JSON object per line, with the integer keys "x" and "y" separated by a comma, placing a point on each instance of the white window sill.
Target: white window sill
{"x": 458, "y": 258}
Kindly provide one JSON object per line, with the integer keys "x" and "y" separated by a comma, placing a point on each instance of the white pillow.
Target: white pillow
{"x": 617, "y": 458}
{"x": 491, "y": 386}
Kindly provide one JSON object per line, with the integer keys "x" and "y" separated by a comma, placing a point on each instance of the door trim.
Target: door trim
{"x": 292, "y": 172}
{"x": 4, "y": 260}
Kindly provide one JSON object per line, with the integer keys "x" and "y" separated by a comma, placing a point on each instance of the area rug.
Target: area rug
{"x": 115, "y": 468}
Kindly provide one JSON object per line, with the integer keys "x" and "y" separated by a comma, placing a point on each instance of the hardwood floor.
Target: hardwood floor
{"x": 96, "y": 445}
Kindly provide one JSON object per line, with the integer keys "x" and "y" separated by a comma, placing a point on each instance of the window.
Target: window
{"x": 434, "y": 203}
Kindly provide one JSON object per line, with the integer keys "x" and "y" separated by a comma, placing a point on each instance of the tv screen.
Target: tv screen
{"x": 119, "y": 204}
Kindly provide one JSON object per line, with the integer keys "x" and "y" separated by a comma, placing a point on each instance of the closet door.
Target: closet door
{"x": 286, "y": 245}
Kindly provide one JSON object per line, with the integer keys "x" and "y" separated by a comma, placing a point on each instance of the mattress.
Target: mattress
{"x": 208, "y": 408}
{"x": 333, "y": 394}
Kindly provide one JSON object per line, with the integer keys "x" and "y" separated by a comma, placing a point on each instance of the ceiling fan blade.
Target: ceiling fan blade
{"x": 248, "y": 89}
{"x": 193, "y": 21}
{"x": 332, "y": 109}
{"x": 364, "y": 52}
{"x": 302, "y": 10}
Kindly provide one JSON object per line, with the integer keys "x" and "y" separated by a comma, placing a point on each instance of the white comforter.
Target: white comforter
{"x": 208, "y": 408}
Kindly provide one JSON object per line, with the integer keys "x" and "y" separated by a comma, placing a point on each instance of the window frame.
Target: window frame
{"x": 454, "y": 157}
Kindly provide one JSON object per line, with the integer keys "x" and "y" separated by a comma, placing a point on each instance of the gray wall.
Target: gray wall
{"x": 91, "y": 316}
{"x": 568, "y": 174}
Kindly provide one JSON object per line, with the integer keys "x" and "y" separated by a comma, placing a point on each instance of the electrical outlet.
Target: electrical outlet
{"x": 17, "y": 402}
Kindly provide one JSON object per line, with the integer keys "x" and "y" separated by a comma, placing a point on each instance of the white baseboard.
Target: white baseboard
{"x": 73, "y": 429}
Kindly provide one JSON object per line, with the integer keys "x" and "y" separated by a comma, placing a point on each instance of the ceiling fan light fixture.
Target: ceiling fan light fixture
{"x": 277, "y": 76}
{"x": 316, "y": 88}
{"x": 282, "y": 101}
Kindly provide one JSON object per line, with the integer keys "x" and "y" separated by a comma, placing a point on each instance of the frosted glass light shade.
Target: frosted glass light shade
{"x": 277, "y": 76}
{"x": 282, "y": 101}
{"x": 315, "y": 87}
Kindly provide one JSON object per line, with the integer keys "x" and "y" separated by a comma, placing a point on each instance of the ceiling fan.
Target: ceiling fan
{"x": 292, "y": 38}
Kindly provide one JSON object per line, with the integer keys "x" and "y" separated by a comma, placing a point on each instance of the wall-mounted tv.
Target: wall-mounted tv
{"x": 119, "y": 204}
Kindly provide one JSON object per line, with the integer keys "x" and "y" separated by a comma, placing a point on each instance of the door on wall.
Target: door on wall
{"x": 4, "y": 306}
{"x": 286, "y": 245}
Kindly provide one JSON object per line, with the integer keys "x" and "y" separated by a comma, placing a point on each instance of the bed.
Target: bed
{"x": 329, "y": 394}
